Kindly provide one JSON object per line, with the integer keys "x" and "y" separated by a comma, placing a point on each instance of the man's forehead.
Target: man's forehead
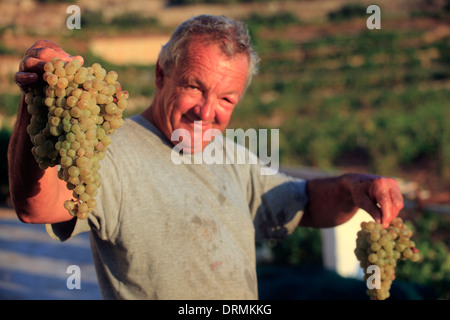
{"x": 219, "y": 72}
{"x": 206, "y": 52}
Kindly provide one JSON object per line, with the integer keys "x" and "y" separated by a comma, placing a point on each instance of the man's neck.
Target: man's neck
{"x": 148, "y": 114}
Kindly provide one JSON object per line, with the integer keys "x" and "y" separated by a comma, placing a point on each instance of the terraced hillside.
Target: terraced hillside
{"x": 345, "y": 95}
{"x": 342, "y": 96}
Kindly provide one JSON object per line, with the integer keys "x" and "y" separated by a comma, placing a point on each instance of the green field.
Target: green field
{"x": 379, "y": 95}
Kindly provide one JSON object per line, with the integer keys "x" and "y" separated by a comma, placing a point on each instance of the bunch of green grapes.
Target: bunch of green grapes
{"x": 383, "y": 248}
{"x": 74, "y": 111}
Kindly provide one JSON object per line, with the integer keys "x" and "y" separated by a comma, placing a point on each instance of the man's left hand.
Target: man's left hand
{"x": 378, "y": 196}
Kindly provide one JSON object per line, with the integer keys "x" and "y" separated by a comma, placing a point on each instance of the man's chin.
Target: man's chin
{"x": 189, "y": 147}
{"x": 190, "y": 138}
{"x": 195, "y": 127}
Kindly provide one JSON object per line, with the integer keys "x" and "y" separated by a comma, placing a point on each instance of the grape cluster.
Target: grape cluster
{"x": 74, "y": 111}
{"x": 383, "y": 248}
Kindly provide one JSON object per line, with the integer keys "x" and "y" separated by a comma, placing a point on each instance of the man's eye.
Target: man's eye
{"x": 193, "y": 87}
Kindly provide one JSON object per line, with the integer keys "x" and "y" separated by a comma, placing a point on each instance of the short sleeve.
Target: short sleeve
{"x": 277, "y": 203}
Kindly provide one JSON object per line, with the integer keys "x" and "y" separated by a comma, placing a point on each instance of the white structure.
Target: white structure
{"x": 338, "y": 246}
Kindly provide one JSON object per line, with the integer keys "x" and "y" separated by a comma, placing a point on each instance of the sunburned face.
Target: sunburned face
{"x": 205, "y": 88}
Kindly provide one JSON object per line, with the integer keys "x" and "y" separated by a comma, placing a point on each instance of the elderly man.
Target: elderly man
{"x": 168, "y": 231}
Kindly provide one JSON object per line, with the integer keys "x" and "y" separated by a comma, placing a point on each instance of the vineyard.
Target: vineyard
{"x": 344, "y": 98}
{"x": 378, "y": 96}
{"x": 350, "y": 98}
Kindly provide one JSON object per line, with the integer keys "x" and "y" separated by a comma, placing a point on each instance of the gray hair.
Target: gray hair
{"x": 231, "y": 36}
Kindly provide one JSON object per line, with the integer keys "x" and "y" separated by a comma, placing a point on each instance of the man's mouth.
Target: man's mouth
{"x": 195, "y": 122}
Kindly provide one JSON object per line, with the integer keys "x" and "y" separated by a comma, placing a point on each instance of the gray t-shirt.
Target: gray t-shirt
{"x": 181, "y": 231}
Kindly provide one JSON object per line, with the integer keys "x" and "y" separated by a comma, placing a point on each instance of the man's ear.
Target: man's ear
{"x": 159, "y": 76}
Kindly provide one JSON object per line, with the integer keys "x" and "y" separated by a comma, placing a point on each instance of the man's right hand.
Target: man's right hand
{"x": 37, "y": 195}
{"x": 31, "y": 67}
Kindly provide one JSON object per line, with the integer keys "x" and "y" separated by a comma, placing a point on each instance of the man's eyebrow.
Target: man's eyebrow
{"x": 232, "y": 92}
{"x": 191, "y": 79}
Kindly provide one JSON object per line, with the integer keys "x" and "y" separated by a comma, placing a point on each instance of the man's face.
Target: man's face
{"x": 206, "y": 88}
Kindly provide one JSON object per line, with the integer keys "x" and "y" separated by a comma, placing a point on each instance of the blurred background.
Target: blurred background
{"x": 345, "y": 98}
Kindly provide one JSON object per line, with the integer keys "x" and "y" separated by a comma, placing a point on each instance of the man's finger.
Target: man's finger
{"x": 368, "y": 205}
{"x": 32, "y": 65}
{"x": 24, "y": 79}
{"x": 44, "y": 43}
{"x": 388, "y": 196}
{"x": 397, "y": 198}
{"x": 47, "y": 54}
{"x": 385, "y": 204}
{"x": 380, "y": 194}
{"x": 397, "y": 202}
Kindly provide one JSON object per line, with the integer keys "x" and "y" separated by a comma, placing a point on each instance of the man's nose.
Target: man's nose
{"x": 207, "y": 110}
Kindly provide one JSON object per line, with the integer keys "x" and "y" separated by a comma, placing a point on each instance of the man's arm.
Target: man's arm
{"x": 333, "y": 201}
{"x": 37, "y": 195}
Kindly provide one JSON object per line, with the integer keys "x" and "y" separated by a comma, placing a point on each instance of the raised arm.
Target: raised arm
{"x": 333, "y": 201}
{"x": 37, "y": 195}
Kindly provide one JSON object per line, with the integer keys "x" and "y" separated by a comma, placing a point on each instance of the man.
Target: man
{"x": 168, "y": 231}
